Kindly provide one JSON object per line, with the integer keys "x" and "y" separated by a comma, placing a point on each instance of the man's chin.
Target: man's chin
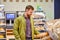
{"x": 29, "y": 16}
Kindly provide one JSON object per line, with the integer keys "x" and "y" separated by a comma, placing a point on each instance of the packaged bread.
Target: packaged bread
{"x": 40, "y": 28}
{"x": 38, "y": 22}
{"x": 54, "y": 26}
{"x": 38, "y": 16}
{"x": 41, "y": 35}
{"x": 1, "y": 36}
{"x": 2, "y": 29}
{"x": 47, "y": 38}
{"x": 54, "y": 23}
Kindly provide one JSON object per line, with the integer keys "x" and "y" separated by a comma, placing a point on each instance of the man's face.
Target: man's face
{"x": 29, "y": 12}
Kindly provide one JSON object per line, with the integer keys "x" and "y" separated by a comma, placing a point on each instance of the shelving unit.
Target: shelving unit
{"x": 39, "y": 23}
{"x": 9, "y": 33}
{"x": 39, "y": 20}
{"x": 10, "y": 16}
{"x": 2, "y": 33}
{"x": 2, "y": 23}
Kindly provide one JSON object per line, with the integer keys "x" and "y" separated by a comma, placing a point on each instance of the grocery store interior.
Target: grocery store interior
{"x": 46, "y": 17}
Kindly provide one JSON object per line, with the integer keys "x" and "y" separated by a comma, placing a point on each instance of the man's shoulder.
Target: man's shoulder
{"x": 18, "y": 18}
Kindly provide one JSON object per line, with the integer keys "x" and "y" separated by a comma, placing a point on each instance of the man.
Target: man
{"x": 24, "y": 25}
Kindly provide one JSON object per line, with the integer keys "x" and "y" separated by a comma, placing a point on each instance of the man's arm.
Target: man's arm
{"x": 15, "y": 29}
{"x": 40, "y": 35}
{"x": 36, "y": 31}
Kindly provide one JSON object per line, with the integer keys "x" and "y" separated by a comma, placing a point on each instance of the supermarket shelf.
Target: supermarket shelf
{"x": 9, "y": 25}
{"x": 41, "y": 31}
{"x": 10, "y": 36}
{"x": 38, "y": 24}
{"x": 2, "y": 18}
{"x": 2, "y": 31}
{"x": 2, "y": 25}
{"x": 9, "y": 29}
{"x": 39, "y": 19}
{"x": 9, "y": 32}
{"x": 2, "y": 38}
{"x": 51, "y": 34}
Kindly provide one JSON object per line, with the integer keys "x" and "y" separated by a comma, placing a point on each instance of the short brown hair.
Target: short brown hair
{"x": 29, "y": 7}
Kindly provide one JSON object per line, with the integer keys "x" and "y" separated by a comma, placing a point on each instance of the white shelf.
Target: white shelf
{"x": 2, "y": 38}
{"x": 10, "y": 36}
{"x": 9, "y": 32}
{"x": 9, "y": 24}
{"x": 39, "y": 23}
{"x": 2, "y": 24}
{"x": 39, "y": 19}
{"x": 2, "y": 31}
{"x": 9, "y": 29}
{"x": 2, "y": 17}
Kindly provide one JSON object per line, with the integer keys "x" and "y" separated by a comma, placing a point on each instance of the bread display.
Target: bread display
{"x": 53, "y": 23}
{"x": 41, "y": 35}
{"x": 40, "y": 28}
{"x": 38, "y": 16}
{"x": 2, "y": 30}
{"x": 1, "y": 36}
{"x": 38, "y": 22}
{"x": 46, "y": 38}
{"x": 54, "y": 26}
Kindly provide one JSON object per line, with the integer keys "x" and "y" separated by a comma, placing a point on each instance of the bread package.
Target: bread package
{"x": 40, "y": 28}
{"x": 1, "y": 36}
{"x": 54, "y": 26}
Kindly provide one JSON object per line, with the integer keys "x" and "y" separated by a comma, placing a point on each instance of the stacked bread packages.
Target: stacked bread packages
{"x": 54, "y": 27}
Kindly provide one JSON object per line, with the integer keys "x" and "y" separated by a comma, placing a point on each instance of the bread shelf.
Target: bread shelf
{"x": 2, "y": 24}
{"x": 39, "y": 22}
{"x": 9, "y": 25}
{"x": 2, "y": 31}
{"x": 2, "y": 38}
{"x": 9, "y": 29}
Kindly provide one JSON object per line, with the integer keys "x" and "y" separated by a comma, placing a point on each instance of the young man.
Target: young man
{"x": 24, "y": 25}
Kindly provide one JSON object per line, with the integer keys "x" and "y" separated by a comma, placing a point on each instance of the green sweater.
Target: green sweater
{"x": 20, "y": 28}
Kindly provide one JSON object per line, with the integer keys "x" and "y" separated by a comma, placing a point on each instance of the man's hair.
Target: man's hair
{"x": 29, "y": 7}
